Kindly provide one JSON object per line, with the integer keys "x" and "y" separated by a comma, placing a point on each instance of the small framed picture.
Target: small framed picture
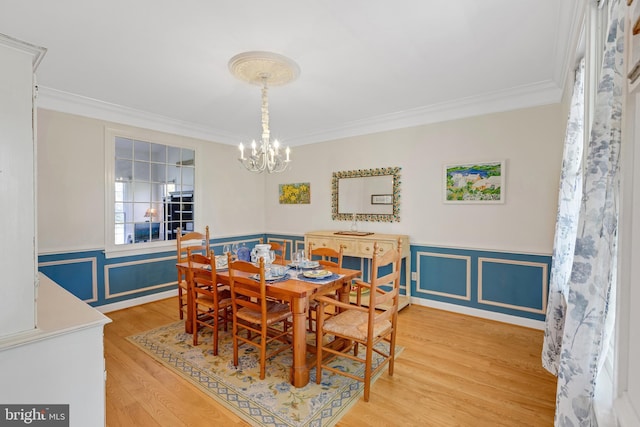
{"x": 295, "y": 194}
{"x": 481, "y": 182}
{"x": 381, "y": 199}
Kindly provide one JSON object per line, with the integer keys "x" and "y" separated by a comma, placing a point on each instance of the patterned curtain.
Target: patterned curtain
{"x": 566, "y": 226}
{"x": 580, "y": 314}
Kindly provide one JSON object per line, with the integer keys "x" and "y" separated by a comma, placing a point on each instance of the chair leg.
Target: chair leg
{"x": 216, "y": 323}
{"x": 367, "y": 372}
{"x": 263, "y": 355}
{"x": 235, "y": 344}
{"x": 309, "y": 318}
{"x": 180, "y": 301}
{"x": 194, "y": 325}
{"x": 392, "y": 351}
{"x": 319, "y": 326}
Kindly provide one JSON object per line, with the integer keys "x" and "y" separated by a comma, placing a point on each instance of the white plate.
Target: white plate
{"x": 267, "y": 277}
{"x": 317, "y": 274}
{"x": 310, "y": 264}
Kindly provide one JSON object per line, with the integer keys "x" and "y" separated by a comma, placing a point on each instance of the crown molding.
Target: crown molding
{"x": 542, "y": 93}
{"x": 37, "y": 52}
{"x": 513, "y": 99}
{"x": 65, "y": 102}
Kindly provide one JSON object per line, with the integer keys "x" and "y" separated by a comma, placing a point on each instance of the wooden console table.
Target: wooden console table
{"x": 360, "y": 245}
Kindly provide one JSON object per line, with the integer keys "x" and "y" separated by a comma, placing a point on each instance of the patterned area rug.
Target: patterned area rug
{"x": 269, "y": 402}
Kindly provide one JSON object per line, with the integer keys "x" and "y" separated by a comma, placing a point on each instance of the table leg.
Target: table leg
{"x": 299, "y": 369}
{"x": 344, "y": 293}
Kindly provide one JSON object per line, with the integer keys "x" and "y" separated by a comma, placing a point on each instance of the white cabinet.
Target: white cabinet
{"x": 17, "y": 186}
{"x": 361, "y": 246}
{"x": 61, "y": 361}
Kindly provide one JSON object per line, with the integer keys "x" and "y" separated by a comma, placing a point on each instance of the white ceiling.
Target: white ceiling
{"x": 366, "y": 65}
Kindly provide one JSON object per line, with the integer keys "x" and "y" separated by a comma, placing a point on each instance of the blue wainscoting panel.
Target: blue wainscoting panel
{"x": 511, "y": 283}
{"x": 93, "y": 278}
{"x": 139, "y": 277}
{"x": 446, "y": 275}
{"x": 78, "y": 276}
{"x": 520, "y": 285}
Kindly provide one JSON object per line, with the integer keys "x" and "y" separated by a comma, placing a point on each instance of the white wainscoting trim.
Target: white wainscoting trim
{"x": 543, "y": 284}
{"x": 94, "y": 272}
{"x": 107, "y": 290}
{"x": 466, "y": 297}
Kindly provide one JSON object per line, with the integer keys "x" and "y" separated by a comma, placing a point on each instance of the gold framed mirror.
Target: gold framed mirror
{"x": 369, "y": 194}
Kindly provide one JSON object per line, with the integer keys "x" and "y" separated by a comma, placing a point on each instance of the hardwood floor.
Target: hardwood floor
{"x": 455, "y": 370}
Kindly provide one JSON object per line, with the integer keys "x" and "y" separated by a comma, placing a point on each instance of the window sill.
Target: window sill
{"x": 139, "y": 249}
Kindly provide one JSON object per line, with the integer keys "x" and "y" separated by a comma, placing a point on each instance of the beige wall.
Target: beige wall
{"x": 530, "y": 140}
{"x": 71, "y": 184}
{"x": 233, "y": 201}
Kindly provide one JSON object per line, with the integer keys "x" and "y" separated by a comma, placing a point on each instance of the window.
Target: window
{"x": 152, "y": 192}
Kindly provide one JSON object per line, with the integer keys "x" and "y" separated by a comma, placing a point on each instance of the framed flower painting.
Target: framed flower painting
{"x": 295, "y": 194}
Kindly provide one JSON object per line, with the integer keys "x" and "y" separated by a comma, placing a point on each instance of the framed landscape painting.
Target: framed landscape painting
{"x": 474, "y": 182}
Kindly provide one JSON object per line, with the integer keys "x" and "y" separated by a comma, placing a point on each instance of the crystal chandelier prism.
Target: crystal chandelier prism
{"x": 264, "y": 68}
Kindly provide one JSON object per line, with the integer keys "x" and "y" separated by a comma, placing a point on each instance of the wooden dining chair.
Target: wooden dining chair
{"x": 363, "y": 326}
{"x": 280, "y": 249}
{"x": 255, "y": 313}
{"x": 198, "y": 242}
{"x": 211, "y": 301}
{"x": 327, "y": 257}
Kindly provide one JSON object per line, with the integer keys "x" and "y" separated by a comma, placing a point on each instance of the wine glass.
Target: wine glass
{"x": 298, "y": 257}
{"x": 226, "y": 249}
{"x": 234, "y": 249}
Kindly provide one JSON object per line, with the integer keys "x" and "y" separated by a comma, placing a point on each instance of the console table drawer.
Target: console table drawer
{"x": 319, "y": 242}
{"x": 365, "y": 249}
{"x": 349, "y": 247}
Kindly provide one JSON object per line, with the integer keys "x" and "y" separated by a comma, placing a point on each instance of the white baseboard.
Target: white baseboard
{"x": 136, "y": 301}
{"x": 500, "y": 317}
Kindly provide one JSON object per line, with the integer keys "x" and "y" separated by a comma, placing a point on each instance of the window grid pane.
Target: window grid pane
{"x": 153, "y": 191}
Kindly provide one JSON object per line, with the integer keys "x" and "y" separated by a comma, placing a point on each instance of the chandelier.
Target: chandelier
{"x": 264, "y": 69}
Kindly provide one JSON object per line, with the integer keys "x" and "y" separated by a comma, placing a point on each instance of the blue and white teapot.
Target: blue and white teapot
{"x": 262, "y": 251}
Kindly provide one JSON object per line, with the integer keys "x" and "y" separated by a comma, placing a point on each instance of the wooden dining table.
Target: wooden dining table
{"x": 298, "y": 292}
